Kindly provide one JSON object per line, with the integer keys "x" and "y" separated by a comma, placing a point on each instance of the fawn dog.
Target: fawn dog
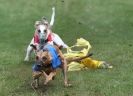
{"x": 47, "y": 61}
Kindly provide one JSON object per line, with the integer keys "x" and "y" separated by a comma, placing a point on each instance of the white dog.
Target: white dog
{"x": 44, "y": 34}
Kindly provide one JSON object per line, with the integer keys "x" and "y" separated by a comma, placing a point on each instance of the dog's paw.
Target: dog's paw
{"x": 26, "y": 59}
{"x": 45, "y": 83}
{"x": 33, "y": 85}
{"x": 68, "y": 85}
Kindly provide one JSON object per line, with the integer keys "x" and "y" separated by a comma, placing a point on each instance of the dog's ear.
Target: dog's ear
{"x": 44, "y": 58}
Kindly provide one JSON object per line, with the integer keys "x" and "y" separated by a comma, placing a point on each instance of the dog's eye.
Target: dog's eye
{"x": 37, "y": 58}
{"x": 45, "y": 31}
{"x": 44, "y": 58}
{"x": 39, "y": 31}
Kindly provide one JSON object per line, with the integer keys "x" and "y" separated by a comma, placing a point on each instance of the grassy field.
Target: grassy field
{"x": 107, "y": 24}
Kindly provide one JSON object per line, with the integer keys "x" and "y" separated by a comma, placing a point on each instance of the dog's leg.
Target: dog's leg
{"x": 49, "y": 77}
{"x": 57, "y": 40}
{"x": 46, "y": 78}
{"x": 63, "y": 66}
{"x": 36, "y": 83}
{"x": 64, "y": 70}
{"x": 29, "y": 50}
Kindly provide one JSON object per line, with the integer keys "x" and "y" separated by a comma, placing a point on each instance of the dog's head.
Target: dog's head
{"x": 44, "y": 57}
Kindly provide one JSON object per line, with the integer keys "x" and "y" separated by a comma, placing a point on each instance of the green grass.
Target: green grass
{"x": 107, "y": 24}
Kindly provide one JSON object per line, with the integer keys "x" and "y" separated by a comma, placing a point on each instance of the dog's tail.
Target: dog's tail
{"x": 80, "y": 58}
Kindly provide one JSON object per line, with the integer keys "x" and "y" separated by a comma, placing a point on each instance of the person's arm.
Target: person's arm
{"x": 52, "y": 17}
